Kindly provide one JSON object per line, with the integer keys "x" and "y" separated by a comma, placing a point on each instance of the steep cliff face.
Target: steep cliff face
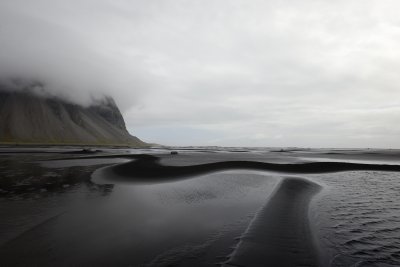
{"x": 26, "y": 117}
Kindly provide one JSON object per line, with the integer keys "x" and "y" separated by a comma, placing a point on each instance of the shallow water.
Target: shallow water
{"x": 22, "y": 212}
{"x": 357, "y": 217}
{"x": 156, "y": 224}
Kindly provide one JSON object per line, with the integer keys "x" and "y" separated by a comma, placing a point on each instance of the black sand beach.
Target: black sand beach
{"x": 280, "y": 234}
{"x": 200, "y": 207}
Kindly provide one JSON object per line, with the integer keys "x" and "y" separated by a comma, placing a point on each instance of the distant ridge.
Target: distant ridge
{"x": 30, "y": 118}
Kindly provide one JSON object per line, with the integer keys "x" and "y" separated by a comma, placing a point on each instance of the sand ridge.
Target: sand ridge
{"x": 280, "y": 234}
{"x": 148, "y": 169}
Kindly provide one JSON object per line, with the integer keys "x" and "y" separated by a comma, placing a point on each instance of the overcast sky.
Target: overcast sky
{"x": 212, "y": 72}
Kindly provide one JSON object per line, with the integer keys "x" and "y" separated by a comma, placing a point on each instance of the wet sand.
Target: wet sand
{"x": 198, "y": 208}
{"x": 280, "y": 234}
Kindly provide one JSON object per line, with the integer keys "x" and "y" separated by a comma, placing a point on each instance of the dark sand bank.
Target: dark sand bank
{"x": 22, "y": 176}
{"x": 280, "y": 234}
{"x": 147, "y": 168}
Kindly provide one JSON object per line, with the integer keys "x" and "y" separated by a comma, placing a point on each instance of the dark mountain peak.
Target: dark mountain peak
{"x": 108, "y": 110}
{"x": 30, "y": 115}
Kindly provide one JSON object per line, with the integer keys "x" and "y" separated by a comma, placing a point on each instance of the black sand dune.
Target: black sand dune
{"x": 280, "y": 234}
{"x": 147, "y": 168}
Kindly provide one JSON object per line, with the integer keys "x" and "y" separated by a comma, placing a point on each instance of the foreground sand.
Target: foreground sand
{"x": 191, "y": 209}
{"x": 280, "y": 234}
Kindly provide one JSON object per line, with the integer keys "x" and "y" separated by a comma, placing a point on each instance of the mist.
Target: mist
{"x": 37, "y": 46}
{"x": 235, "y": 73}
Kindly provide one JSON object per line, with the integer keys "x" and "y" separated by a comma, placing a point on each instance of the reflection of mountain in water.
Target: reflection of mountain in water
{"x": 26, "y": 117}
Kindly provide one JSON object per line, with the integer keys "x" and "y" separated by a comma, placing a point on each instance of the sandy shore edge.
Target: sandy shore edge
{"x": 148, "y": 169}
{"x": 280, "y": 234}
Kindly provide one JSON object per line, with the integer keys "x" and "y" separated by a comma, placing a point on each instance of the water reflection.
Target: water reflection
{"x": 156, "y": 224}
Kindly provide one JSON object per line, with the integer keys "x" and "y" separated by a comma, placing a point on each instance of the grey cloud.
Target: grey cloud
{"x": 299, "y": 73}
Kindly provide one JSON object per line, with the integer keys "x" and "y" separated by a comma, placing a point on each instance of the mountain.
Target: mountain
{"x": 30, "y": 118}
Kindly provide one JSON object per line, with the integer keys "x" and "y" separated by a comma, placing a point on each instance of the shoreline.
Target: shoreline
{"x": 147, "y": 168}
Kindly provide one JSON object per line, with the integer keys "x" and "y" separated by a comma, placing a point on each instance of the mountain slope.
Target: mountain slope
{"x": 26, "y": 117}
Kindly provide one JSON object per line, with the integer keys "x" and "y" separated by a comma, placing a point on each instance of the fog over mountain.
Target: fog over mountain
{"x": 243, "y": 73}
